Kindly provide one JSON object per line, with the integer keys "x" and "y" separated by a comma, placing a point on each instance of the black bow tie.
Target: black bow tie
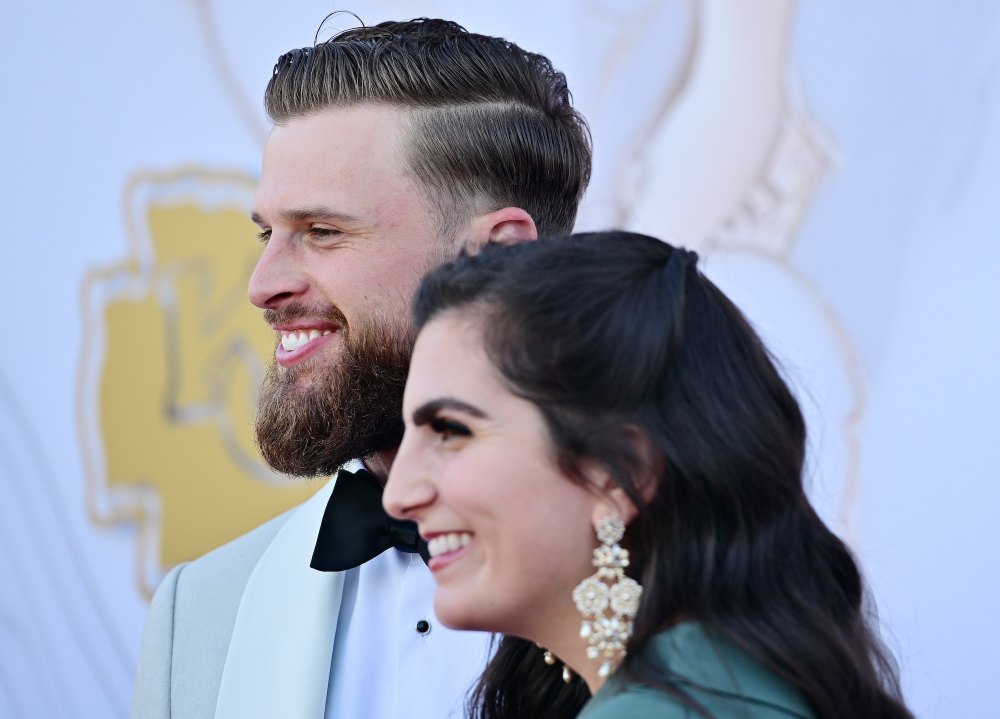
{"x": 355, "y": 528}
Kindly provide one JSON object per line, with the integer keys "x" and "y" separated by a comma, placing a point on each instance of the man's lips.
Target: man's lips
{"x": 293, "y": 340}
{"x": 296, "y": 343}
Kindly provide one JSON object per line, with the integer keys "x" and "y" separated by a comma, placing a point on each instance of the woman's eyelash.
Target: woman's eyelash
{"x": 448, "y": 428}
{"x": 264, "y": 236}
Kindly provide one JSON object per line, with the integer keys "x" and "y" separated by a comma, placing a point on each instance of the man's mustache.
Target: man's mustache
{"x": 294, "y": 311}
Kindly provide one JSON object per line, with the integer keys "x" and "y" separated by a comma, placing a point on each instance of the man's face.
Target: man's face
{"x": 348, "y": 237}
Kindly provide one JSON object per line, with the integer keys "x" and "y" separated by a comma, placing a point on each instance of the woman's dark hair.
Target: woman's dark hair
{"x": 639, "y": 363}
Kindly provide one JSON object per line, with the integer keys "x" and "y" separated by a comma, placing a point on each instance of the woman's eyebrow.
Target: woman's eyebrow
{"x": 427, "y": 411}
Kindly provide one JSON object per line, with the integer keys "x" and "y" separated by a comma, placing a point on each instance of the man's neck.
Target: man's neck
{"x": 379, "y": 463}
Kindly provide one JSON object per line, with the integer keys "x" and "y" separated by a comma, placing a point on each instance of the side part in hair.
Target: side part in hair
{"x": 491, "y": 125}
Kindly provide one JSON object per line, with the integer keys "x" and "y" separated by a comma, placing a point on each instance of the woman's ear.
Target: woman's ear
{"x": 609, "y": 497}
{"x": 612, "y": 499}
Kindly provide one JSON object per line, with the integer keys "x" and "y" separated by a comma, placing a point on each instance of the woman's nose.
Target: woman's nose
{"x": 410, "y": 487}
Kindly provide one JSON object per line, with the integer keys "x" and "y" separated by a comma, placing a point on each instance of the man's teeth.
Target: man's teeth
{"x": 444, "y": 543}
{"x": 291, "y": 341}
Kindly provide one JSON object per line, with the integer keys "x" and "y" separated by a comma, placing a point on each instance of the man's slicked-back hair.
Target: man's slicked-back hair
{"x": 489, "y": 124}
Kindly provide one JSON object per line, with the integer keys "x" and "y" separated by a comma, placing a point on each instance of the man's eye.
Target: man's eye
{"x": 264, "y": 236}
{"x": 322, "y": 234}
{"x": 448, "y": 429}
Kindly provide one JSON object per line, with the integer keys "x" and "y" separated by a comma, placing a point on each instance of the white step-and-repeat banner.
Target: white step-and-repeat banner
{"x": 838, "y": 169}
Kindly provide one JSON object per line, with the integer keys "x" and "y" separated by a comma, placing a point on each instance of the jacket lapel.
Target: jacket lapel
{"x": 278, "y": 662}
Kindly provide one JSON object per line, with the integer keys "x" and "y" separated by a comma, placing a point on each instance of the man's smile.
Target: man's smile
{"x": 297, "y": 344}
{"x": 293, "y": 341}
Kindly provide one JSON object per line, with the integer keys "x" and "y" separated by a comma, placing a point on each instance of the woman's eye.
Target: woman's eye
{"x": 264, "y": 236}
{"x": 448, "y": 429}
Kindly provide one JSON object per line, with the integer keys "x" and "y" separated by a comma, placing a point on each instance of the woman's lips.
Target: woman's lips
{"x": 446, "y": 547}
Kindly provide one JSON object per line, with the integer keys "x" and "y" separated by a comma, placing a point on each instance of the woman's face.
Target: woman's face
{"x": 510, "y": 535}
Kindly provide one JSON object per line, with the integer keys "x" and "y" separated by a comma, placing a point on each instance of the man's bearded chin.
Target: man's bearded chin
{"x": 310, "y": 426}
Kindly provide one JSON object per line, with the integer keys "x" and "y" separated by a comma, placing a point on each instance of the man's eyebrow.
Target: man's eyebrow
{"x": 318, "y": 214}
{"x": 427, "y": 411}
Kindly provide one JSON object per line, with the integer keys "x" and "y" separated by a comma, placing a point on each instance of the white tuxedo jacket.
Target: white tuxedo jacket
{"x": 248, "y": 631}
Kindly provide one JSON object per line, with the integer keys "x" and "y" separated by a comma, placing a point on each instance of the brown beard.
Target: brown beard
{"x": 349, "y": 409}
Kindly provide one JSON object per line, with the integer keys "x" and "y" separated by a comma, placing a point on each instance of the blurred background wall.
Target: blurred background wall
{"x": 836, "y": 165}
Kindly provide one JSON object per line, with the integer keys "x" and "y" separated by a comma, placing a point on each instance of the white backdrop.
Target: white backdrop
{"x": 836, "y": 166}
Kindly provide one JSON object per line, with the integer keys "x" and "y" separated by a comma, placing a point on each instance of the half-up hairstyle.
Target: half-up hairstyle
{"x": 616, "y": 335}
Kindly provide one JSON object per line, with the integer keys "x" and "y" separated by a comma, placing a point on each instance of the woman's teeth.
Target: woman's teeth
{"x": 444, "y": 543}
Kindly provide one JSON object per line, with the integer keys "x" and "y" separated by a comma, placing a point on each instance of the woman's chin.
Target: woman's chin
{"x": 462, "y": 614}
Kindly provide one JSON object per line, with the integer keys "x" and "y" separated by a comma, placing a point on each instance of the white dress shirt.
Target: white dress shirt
{"x": 342, "y": 645}
{"x": 392, "y": 659}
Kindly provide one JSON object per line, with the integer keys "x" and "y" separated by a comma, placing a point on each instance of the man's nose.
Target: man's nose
{"x": 278, "y": 276}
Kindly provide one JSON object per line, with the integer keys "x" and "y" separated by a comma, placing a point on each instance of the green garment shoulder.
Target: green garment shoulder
{"x": 721, "y": 678}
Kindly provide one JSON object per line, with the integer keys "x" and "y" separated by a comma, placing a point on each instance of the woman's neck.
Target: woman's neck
{"x": 560, "y": 634}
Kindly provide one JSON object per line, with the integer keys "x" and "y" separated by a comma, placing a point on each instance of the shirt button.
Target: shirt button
{"x": 423, "y": 626}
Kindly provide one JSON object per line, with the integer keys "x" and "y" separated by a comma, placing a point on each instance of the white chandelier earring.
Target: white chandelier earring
{"x": 608, "y": 600}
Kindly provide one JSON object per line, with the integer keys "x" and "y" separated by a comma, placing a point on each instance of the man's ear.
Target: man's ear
{"x": 502, "y": 227}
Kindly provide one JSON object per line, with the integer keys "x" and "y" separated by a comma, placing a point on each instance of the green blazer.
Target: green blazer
{"x": 720, "y": 677}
